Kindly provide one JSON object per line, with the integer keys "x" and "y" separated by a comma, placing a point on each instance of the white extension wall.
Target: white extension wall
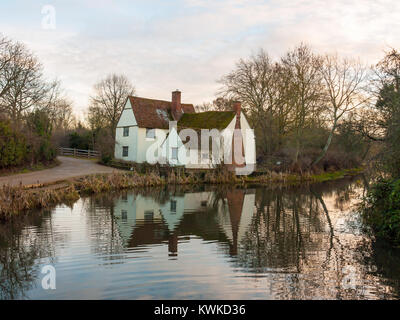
{"x": 127, "y": 119}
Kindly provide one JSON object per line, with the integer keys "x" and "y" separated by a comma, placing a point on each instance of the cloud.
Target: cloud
{"x": 189, "y": 44}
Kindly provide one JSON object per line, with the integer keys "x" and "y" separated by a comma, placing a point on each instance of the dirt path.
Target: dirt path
{"x": 69, "y": 168}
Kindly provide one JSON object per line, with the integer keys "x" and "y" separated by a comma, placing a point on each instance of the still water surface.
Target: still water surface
{"x": 201, "y": 243}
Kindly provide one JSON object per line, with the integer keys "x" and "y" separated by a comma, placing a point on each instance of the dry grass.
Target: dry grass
{"x": 117, "y": 181}
{"x": 16, "y": 200}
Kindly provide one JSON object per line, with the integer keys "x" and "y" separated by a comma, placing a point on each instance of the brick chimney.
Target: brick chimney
{"x": 237, "y": 107}
{"x": 237, "y": 145}
{"x": 176, "y": 107}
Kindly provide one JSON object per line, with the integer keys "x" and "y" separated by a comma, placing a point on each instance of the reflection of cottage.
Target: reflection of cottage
{"x": 143, "y": 220}
{"x": 145, "y": 123}
{"x": 237, "y": 218}
{"x": 137, "y": 212}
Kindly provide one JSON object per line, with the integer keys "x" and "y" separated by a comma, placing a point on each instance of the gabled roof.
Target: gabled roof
{"x": 151, "y": 113}
{"x": 206, "y": 120}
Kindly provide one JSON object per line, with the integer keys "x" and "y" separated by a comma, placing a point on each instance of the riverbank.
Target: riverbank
{"x": 15, "y": 200}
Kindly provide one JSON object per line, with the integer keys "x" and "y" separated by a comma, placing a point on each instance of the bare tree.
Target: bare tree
{"x": 9, "y": 53}
{"x": 58, "y": 107}
{"x": 384, "y": 88}
{"x": 219, "y": 104}
{"x": 110, "y": 97}
{"x": 23, "y": 83}
{"x": 251, "y": 82}
{"x": 344, "y": 81}
{"x": 254, "y": 83}
{"x": 300, "y": 68}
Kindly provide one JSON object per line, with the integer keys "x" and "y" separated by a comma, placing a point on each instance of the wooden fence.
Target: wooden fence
{"x": 78, "y": 153}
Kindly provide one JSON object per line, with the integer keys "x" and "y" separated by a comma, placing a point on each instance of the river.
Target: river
{"x": 201, "y": 242}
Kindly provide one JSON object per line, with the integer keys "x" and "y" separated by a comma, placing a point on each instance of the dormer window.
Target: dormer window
{"x": 150, "y": 133}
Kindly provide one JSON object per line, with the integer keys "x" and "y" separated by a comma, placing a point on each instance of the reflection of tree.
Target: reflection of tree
{"x": 292, "y": 240}
{"x": 279, "y": 230}
{"x": 103, "y": 230}
{"x": 337, "y": 249}
{"x": 20, "y": 248}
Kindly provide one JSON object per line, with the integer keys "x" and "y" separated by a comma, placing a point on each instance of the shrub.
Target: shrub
{"x": 13, "y": 147}
{"x": 39, "y": 125}
{"x": 80, "y": 140}
{"x": 381, "y": 209}
{"x": 26, "y": 144}
{"x": 106, "y": 158}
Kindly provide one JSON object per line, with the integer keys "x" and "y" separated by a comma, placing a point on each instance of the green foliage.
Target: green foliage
{"x": 27, "y": 145}
{"x": 106, "y": 158}
{"x": 39, "y": 124}
{"x": 80, "y": 140}
{"x": 382, "y": 206}
{"x": 350, "y": 141}
{"x": 389, "y": 106}
{"x": 13, "y": 148}
{"x": 381, "y": 209}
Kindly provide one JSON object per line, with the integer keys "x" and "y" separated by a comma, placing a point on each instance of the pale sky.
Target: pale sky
{"x": 189, "y": 44}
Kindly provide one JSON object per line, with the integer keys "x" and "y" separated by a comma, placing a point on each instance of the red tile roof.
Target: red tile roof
{"x": 151, "y": 113}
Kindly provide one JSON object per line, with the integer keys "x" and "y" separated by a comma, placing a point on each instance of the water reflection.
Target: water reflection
{"x": 204, "y": 242}
{"x": 20, "y": 250}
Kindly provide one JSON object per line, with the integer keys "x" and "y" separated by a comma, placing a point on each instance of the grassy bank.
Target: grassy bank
{"x": 15, "y": 200}
{"x": 290, "y": 178}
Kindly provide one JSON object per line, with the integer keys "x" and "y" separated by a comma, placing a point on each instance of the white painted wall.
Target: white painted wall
{"x": 173, "y": 141}
{"x": 127, "y": 119}
{"x": 249, "y": 140}
{"x": 130, "y": 141}
{"x": 145, "y": 143}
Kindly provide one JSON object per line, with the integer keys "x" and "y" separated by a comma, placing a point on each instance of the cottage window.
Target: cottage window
{"x": 126, "y": 132}
{"x": 150, "y": 133}
{"x": 124, "y": 214}
{"x": 149, "y": 215}
{"x": 175, "y": 153}
{"x": 173, "y": 206}
{"x": 125, "y": 151}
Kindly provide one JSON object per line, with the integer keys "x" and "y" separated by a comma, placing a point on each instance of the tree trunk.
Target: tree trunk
{"x": 326, "y": 147}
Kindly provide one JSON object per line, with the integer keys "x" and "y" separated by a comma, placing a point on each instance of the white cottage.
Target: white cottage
{"x": 154, "y": 127}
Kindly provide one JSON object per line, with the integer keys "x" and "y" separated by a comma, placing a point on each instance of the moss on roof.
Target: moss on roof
{"x": 206, "y": 120}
